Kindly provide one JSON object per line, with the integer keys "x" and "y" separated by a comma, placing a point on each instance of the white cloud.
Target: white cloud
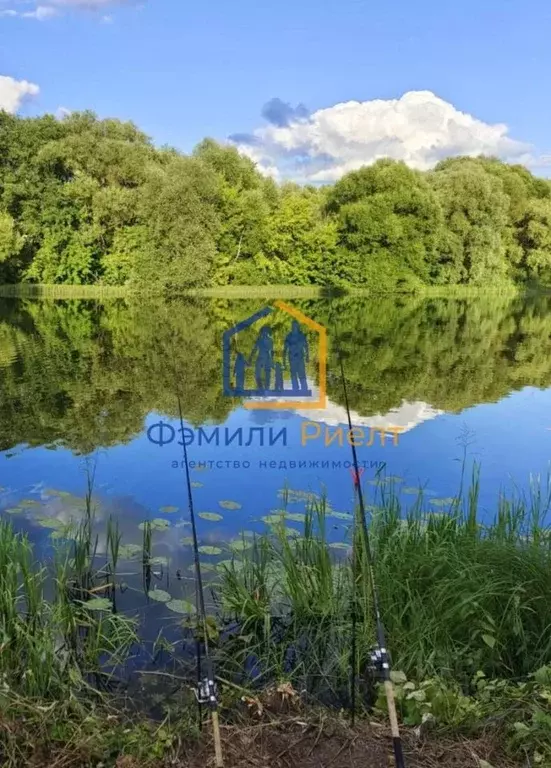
{"x": 41, "y": 12}
{"x": 14, "y": 92}
{"x": 58, "y": 7}
{"x": 419, "y": 128}
{"x": 62, "y": 112}
{"x": 91, "y": 5}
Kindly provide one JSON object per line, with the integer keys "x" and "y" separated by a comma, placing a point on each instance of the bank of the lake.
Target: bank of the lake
{"x": 465, "y": 606}
{"x": 100, "y": 292}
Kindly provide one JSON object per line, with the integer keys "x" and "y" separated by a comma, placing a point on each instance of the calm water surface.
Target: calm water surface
{"x": 81, "y": 383}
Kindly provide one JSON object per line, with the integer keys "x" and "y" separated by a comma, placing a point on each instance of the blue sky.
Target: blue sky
{"x": 183, "y": 70}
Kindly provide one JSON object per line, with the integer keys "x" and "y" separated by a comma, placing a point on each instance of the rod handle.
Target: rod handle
{"x": 217, "y": 741}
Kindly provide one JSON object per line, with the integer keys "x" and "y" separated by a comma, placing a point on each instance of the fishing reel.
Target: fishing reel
{"x": 379, "y": 662}
{"x": 207, "y": 692}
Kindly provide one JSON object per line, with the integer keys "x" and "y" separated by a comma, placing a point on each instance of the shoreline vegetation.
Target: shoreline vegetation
{"x": 465, "y": 604}
{"x": 85, "y": 201}
{"x": 100, "y": 292}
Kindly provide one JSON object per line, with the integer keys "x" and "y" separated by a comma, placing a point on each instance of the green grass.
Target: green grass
{"x": 28, "y": 290}
{"x": 35, "y": 291}
{"x": 466, "y": 608}
{"x": 456, "y": 596}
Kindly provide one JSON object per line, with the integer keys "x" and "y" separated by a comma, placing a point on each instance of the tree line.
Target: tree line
{"x": 89, "y": 201}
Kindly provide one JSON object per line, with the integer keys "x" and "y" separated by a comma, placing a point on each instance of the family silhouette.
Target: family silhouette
{"x": 266, "y": 368}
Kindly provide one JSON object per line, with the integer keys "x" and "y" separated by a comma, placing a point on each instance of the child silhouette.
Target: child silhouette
{"x": 239, "y": 370}
{"x": 279, "y": 384}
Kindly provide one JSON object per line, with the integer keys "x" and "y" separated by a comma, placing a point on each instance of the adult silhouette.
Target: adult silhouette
{"x": 264, "y": 350}
{"x": 296, "y": 351}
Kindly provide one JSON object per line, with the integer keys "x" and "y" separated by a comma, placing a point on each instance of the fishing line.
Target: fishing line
{"x": 206, "y": 692}
{"x": 380, "y": 658}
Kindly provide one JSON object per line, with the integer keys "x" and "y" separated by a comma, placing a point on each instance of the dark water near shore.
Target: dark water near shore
{"x": 82, "y": 382}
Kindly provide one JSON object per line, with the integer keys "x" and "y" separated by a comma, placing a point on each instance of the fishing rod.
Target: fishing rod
{"x": 380, "y": 658}
{"x": 206, "y": 692}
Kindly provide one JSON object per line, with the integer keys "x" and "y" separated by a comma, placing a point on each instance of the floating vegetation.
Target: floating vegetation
{"x": 187, "y": 541}
{"x": 410, "y": 489}
{"x": 229, "y": 505}
{"x": 196, "y": 484}
{"x": 168, "y": 510}
{"x": 98, "y": 604}
{"x": 181, "y": 606}
{"x": 13, "y": 510}
{"x": 204, "y": 567}
{"x": 239, "y": 545}
{"x": 159, "y": 560}
{"x": 273, "y": 519}
{"x": 339, "y": 545}
{"x": 49, "y": 522}
{"x": 295, "y": 517}
{"x": 158, "y": 524}
{"x": 129, "y": 551}
{"x": 207, "y": 549}
{"x": 212, "y": 516}
{"x": 341, "y": 515}
{"x": 292, "y": 533}
{"x": 446, "y": 502}
{"x": 160, "y": 595}
{"x": 29, "y": 503}
{"x": 299, "y": 497}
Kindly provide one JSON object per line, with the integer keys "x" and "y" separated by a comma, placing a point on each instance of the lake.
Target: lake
{"x": 89, "y": 387}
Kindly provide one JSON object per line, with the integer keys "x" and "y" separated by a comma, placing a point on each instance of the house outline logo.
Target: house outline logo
{"x": 296, "y": 397}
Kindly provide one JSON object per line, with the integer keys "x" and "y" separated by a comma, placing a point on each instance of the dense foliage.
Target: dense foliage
{"x": 88, "y": 201}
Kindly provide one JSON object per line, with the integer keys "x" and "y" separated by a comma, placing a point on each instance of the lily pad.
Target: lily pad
{"x": 411, "y": 490}
{"x": 162, "y": 560}
{"x": 342, "y": 515}
{"x": 204, "y": 567}
{"x": 168, "y": 510}
{"x": 181, "y": 606}
{"x": 49, "y": 522}
{"x": 128, "y": 551}
{"x": 209, "y": 550}
{"x": 292, "y": 533}
{"x": 273, "y": 519}
{"x": 296, "y": 517}
{"x": 29, "y": 503}
{"x": 158, "y": 524}
{"x": 62, "y": 533}
{"x": 187, "y": 541}
{"x": 98, "y": 604}
{"x": 446, "y": 502}
{"x": 196, "y": 484}
{"x": 229, "y": 505}
{"x": 13, "y": 511}
{"x": 239, "y": 545}
{"x": 160, "y": 595}
{"x": 339, "y": 545}
{"x": 212, "y": 516}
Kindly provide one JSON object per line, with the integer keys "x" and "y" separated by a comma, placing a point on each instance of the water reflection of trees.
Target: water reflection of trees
{"x": 86, "y": 375}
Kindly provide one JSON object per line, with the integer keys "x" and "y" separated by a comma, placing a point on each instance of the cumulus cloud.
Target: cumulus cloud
{"x": 14, "y": 92}
{"x": 419, "y": 128}
{"x": 40, "y": 13}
